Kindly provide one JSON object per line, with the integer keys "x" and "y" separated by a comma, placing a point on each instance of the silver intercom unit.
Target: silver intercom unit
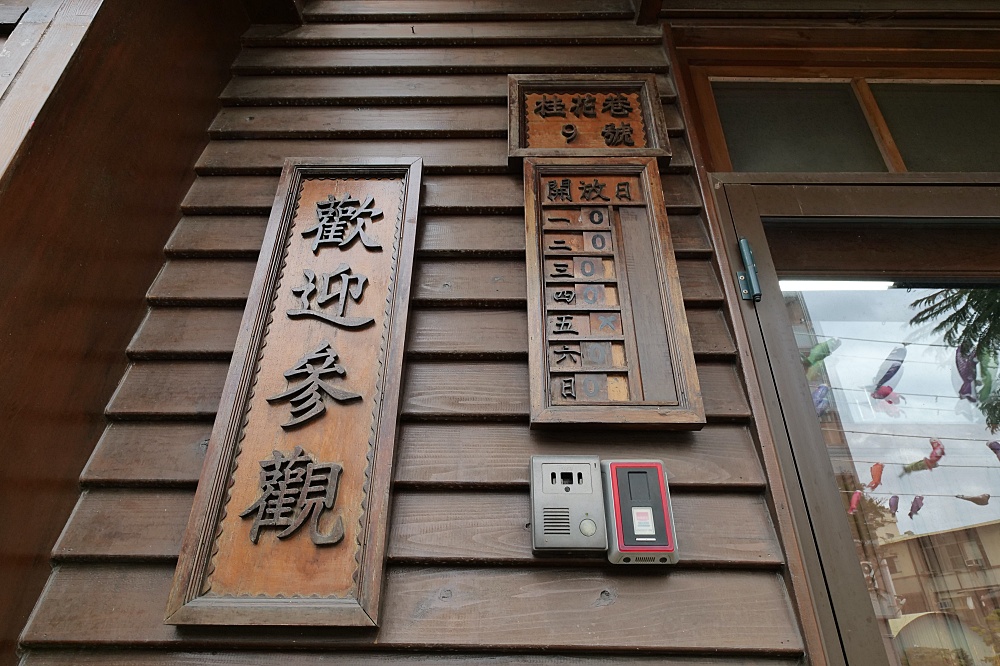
{"x": 567, "y": 503}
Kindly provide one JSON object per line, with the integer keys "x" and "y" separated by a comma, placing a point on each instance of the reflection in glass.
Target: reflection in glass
{"x": 904, "y": 383}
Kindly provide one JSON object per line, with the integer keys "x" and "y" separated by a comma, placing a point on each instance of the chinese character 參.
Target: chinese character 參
{"x": 306, "y": 397}
{"x": 293, "y": 488}
{"x": 340, "y": 221}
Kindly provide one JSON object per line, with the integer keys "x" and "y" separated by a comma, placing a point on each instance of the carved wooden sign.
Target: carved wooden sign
{"x": 290, "y": 517}
{"x": 609, "y": 341}
{"x": 593, "y": 114}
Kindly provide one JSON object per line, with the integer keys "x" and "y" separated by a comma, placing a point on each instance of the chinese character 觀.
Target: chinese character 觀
{"x": 293, "y": 488}
{"x": 340, "y": 221}
{"x": 350, "y": 288}
{"x": 306, "y": 397}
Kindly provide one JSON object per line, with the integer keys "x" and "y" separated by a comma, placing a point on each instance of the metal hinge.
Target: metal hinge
{"x": 749, "y": 285}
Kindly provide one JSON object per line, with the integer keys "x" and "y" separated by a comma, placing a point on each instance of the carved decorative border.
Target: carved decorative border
{"x": 190, "y": 601}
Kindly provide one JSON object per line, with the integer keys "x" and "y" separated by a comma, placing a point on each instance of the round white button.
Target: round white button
{"x": 588, "y": 527}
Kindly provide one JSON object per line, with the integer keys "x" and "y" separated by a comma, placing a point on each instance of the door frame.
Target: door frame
{"x": 849, "y": 632}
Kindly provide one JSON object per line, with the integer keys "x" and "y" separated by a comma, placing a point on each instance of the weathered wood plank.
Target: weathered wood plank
{"x": 481, "y": 10}
{"x": 177, "y": 390}
{"x": 446, "y": 454}
{"x": 50, "y": 657}
{"x": 462, "y": 59}
{"x": 453, "y": 34}
{"x": 383, "y": 122}
{"x": 225, "y": 236}
{"x": 266, "y": 157}
{"x": 380, "y": 90}
{"x": 481, "y": 194}
{"x": 440, "y": 607}
{"x": 142, "y": 454}
{"x": 186, "y": 333}
{"x": 174, "y": 390}
{"x": 499, "y": 391}
{"x": 728, "y": 530}
{"x": 492, "y": 334}
{"x": 498, "y": 454}
{"x": 452, "y": 281}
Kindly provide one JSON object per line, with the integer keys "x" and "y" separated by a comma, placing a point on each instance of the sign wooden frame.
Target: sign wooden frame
{"x": 645, "y": 359}
{"x": 192, "y": 599}
{"x": 519, "y": 86}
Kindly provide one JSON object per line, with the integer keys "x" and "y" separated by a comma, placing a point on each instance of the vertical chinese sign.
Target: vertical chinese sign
{"x": 290, "y": 518}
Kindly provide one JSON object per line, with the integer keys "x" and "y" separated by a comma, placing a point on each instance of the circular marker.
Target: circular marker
{"x": 626, "y": 560}
{"x": 588, "y": 527}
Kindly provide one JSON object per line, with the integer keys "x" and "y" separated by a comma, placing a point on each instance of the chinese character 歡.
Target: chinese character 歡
{"x": 584, "y": 105}
{"x": 341, "y": 221}
{"x": 306, "y": 397}
{"x": 560, "y": 191}
{"x": 550, "y": 106}
{"x": 592, "y": 191}
{"x": 350, "y": 288}
{"x": 617, "y": 135}
{"x": 617, "y": 105}
{"x": 293, "y": 488}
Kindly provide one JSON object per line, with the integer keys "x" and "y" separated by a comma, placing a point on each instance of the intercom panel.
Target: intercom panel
{"x": 567, "y": 503}
{"x": 639, "y": 515}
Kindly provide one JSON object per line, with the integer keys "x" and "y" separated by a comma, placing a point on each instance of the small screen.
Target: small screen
{"x": 642, "y": 520}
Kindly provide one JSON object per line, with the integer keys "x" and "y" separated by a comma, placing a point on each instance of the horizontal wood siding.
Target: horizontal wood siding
{"x": 425, "y": 78}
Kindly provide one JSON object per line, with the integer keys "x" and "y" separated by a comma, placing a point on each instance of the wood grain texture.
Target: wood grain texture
{"x": 383, "y": 89}
{"x": 492, "y": 10}
{"x": 504, "y": 194}
{"x": 217, "y": 236}
{"x": 50, "y": 657}
{"x": 440, "y": 155}
{"x": 186, "y": 333}
{"x": 427, "y": 527}
{"x": 316, "y": 122}
{"x": 469, "y": 391}
{"x": 451, "y": 281}
{"x": 143, "y": 454}
{"x": 175, "y": 390}
{"x": 466, "y": 60}
{"x": 436, "y": 455}
{"x": 478, "y": 33}
{"x": 439, "y": 607}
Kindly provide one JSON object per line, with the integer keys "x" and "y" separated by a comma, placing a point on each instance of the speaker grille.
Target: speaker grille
{"x": 555, "y": 521}
{"x": 644, "y": 560}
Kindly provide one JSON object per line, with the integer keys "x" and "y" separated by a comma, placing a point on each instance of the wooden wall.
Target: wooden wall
{"x": 424, "y": 78}
{"x": 84, "y": 213}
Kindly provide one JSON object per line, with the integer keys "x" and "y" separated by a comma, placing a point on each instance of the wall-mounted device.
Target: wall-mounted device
{"x": 640, "y": 519}
{"x": 567, "y": 504}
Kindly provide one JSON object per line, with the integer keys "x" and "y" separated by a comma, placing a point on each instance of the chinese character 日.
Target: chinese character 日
{"x": 293, "y": 488}
{"x": 350, "y": 288}
{"x": 568, "y": 388}
{"x": 623, "y": 191}
{"x": 340, "y": 221}
{"x": 306, "y": 397}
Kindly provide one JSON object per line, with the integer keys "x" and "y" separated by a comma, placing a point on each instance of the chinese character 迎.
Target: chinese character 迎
{"x": 584, "y": 105}
{"x": 293, "y": 488}
{"x": 564, "y": 296}
{"x": 623, "y": 191}
{"x": 592, "y": 191}
{"x": 550, "y": 106}
{"x": 617, "y": 105}
{"x": 560, "y": 191}
{"x": 567, "y": 353}
{"x": 341, "y": 221}
{"x": 568, "y": 387}
{"x": 617, "y": 135}
{"x": 564, "y": 324}
{"x": 350, "y": 288}
{"x": 306, "y": 397}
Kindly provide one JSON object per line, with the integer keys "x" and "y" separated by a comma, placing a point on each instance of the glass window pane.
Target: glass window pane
{"x": 906, "y": 387}
{"x": 795, "y": 127}
{"x": 943, "y": 126}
